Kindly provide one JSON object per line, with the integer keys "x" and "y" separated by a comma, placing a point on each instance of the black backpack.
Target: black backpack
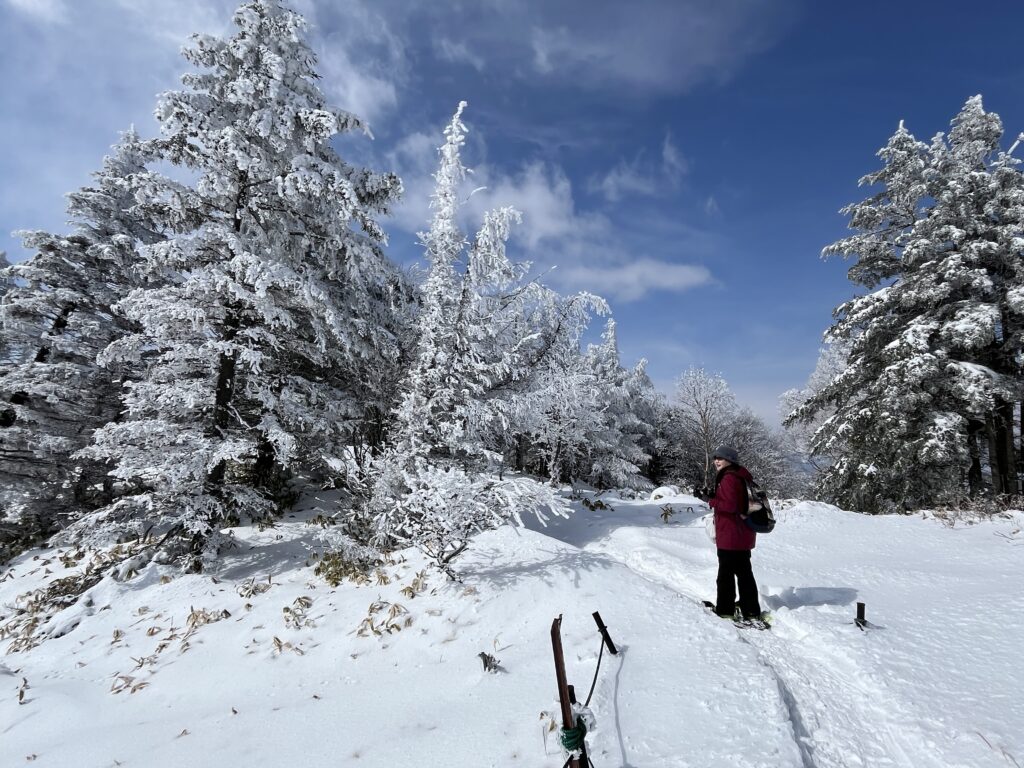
{"x": 759, "y": 517}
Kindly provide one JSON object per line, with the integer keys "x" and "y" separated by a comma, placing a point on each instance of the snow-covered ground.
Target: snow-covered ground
{"x": 934, "y": 681}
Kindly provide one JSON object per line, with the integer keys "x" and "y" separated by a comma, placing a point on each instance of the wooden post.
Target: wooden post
{"x": 604, "y": 634}
{"x": 563, "y": 686}
{"x": 860, "y": 620}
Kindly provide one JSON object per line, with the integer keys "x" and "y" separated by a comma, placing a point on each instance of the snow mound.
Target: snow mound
{"x": 664, "y": 492}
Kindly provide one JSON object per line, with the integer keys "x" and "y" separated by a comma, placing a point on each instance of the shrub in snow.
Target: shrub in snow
{"x": 442, "y": 507}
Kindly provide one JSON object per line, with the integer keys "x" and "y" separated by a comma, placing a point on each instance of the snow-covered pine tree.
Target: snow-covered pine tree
{"x": 55, "y": 322}
{"x": 435, "y": 484}
{"x": 6, "y": 283}
{"x": 929, "y": 376}
{"x": 560, "y": 413}
{"x": 270, "y": 330}
{"x": 966, "y": 258}
{"x": 616, "y": 454}
{"x": 872, "y": 425}
{"x": 831, "y": 363}
{"x": 442, "y": 380}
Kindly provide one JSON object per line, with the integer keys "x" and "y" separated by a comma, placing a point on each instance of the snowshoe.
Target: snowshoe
{"x": 764, "y": 621}
{"x": 711, "y": 607}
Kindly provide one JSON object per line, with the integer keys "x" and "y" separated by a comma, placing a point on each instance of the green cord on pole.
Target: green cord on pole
{"x": 572, "y": 738}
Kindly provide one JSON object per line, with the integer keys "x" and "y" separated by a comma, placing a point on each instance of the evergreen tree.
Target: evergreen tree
{"x": 435, "y": 485}
{"x": 268, "y": 327}
{"x": 616, "y": 450}
{"x": 930, "y": 367}
{"x": 561, "y": 413}
{"x": 966, "y": 257}
{"x": 872, "y": 425}
{"x": 6, "y": 283}
{"x": 55, "y": 323}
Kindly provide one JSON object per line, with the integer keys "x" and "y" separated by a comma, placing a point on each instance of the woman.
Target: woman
{"x": 733, "y": 538}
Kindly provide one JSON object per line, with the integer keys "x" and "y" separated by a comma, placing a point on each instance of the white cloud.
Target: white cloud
{"x": 668, "y": 46}
{"x": 366, "y": 95}
{"x": 448, "y": 50}
{"x": 47, "y": 11}
{"x": 575, "y": 250}
{"x": 623, "y": 180}
{"x": 414, "y": 158}
{"x": 543, "y": 194}
{"x": 173, "y": 23}
{"x": 633, "y": 280}
{"x": 673, "y": 161}
{"x": 362, "y": 57}
{"x": 641, "y": 177}
{"x": 711, "y": 207}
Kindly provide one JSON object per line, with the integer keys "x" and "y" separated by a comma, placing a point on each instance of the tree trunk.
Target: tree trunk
{"x": 225, "y": 392}
{"x": 993, "y": 456}
{"x": 974, "y": 478}
{"x": 1009, "y": 452}
{"x": 520, "y": 453}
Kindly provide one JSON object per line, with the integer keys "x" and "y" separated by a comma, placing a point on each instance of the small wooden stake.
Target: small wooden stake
{"x": 563, "y": 686}
{"x": 604, "y": 634}
{"x": 860, "y": 620}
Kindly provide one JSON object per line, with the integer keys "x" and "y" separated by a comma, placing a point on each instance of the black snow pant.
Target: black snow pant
{"x": 733, "y": 567}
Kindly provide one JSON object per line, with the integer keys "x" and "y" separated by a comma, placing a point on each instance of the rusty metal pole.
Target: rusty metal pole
{"x": 604, "y": 635}
{"x": 563, "y": 686}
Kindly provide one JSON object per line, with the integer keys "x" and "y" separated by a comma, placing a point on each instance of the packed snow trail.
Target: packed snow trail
{"x": 846, "y": 706}
{"x": 831, "y": 706}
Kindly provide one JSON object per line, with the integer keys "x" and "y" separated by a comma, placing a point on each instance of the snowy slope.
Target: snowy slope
{"x": 933, "y": 683}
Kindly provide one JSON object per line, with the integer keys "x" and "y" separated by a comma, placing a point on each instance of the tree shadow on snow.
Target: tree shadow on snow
{"x": 585, "y": 526}
{"x": 806, "y": 597}
{"x": 556, "y": 570}
{"x": 272, "y": 558}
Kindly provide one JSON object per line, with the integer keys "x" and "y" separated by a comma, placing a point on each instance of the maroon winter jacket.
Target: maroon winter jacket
{"x": 729, "y": 501}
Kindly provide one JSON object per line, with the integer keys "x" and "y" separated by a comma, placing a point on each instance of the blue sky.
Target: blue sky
{"x": 686, "y": 159}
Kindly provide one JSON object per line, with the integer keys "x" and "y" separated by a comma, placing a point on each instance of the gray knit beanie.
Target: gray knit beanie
{"x": 727, "y": 453}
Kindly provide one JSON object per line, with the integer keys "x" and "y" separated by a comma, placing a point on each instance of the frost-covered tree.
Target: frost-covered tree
{"x": 701, "y": 416}
{"x": 435, "y": 486}
{"x": 832, "y": 361}
{"x": 930, "y": 369}
{"x": 55, "y": 322}
{"x": 856, "y": 431}
{"x": 616, "y": 450}
{"x": 764, "y": 451}
{"x": 6, "y": 283}
{"x": 447, "y": 375}
{"x": 560, "y": 413}
{"x": 267, "y": 330}
{"x": 966, "y": 271}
